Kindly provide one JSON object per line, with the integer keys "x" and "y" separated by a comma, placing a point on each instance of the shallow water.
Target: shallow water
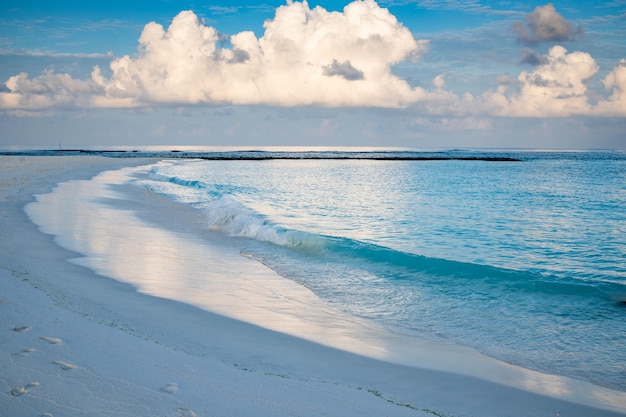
{"x": 523, "y": 261}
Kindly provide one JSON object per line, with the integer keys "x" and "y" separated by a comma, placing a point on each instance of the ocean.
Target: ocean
{"x": 519, "y": 255}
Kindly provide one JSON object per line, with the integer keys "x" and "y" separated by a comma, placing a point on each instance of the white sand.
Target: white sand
{"x": 74, "y": 343}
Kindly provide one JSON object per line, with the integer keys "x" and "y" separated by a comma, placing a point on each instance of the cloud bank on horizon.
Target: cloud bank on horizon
{"x": 313, "y": 57}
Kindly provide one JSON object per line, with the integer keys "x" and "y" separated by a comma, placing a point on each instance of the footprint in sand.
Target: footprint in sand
{"x": 170, "y": 388}
{"x": 64, "y": 365}
{"x": 185, "y": 412}
{"x": 21, "y": 328}
{"x": 19, "y": 391}
{"x": 25, "y": 352}
{"x": 51, "y": 340}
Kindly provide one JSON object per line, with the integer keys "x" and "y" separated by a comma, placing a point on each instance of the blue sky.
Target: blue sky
{"x": 410, "y": 73}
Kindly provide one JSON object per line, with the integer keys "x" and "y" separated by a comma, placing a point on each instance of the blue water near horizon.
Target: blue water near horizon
{"x": 523, "y": 261}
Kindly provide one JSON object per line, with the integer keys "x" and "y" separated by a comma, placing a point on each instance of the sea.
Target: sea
{"x": 519, "y": 255}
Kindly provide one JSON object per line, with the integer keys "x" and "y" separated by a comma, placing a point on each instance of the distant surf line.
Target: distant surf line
{"x": 256, "y": 155}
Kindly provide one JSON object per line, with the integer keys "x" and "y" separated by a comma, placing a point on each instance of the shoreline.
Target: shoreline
{"x": 170, "y": 358}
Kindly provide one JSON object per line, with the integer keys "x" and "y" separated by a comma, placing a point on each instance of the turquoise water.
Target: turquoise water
{"x": 522, "y": 260}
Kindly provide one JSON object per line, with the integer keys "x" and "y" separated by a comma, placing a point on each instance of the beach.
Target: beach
{"x": 76, "y": 343}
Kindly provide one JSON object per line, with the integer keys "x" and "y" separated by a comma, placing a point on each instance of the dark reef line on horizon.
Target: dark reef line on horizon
{"x": 254, "y": 155}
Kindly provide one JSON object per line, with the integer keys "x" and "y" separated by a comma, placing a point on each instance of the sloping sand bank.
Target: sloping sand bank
{"x": 77, "y": 344}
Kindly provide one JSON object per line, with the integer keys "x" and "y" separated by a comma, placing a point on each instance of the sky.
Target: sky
{"x": 392, "y": 73}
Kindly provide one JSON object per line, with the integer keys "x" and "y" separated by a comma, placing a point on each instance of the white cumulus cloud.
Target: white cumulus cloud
{"x": 615, "y": 81}
{"x": 47, "y": 90}
{"x": 314, "y": 57}
{"x": 556, "y": 88}
{"x": 305, "y": 57}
